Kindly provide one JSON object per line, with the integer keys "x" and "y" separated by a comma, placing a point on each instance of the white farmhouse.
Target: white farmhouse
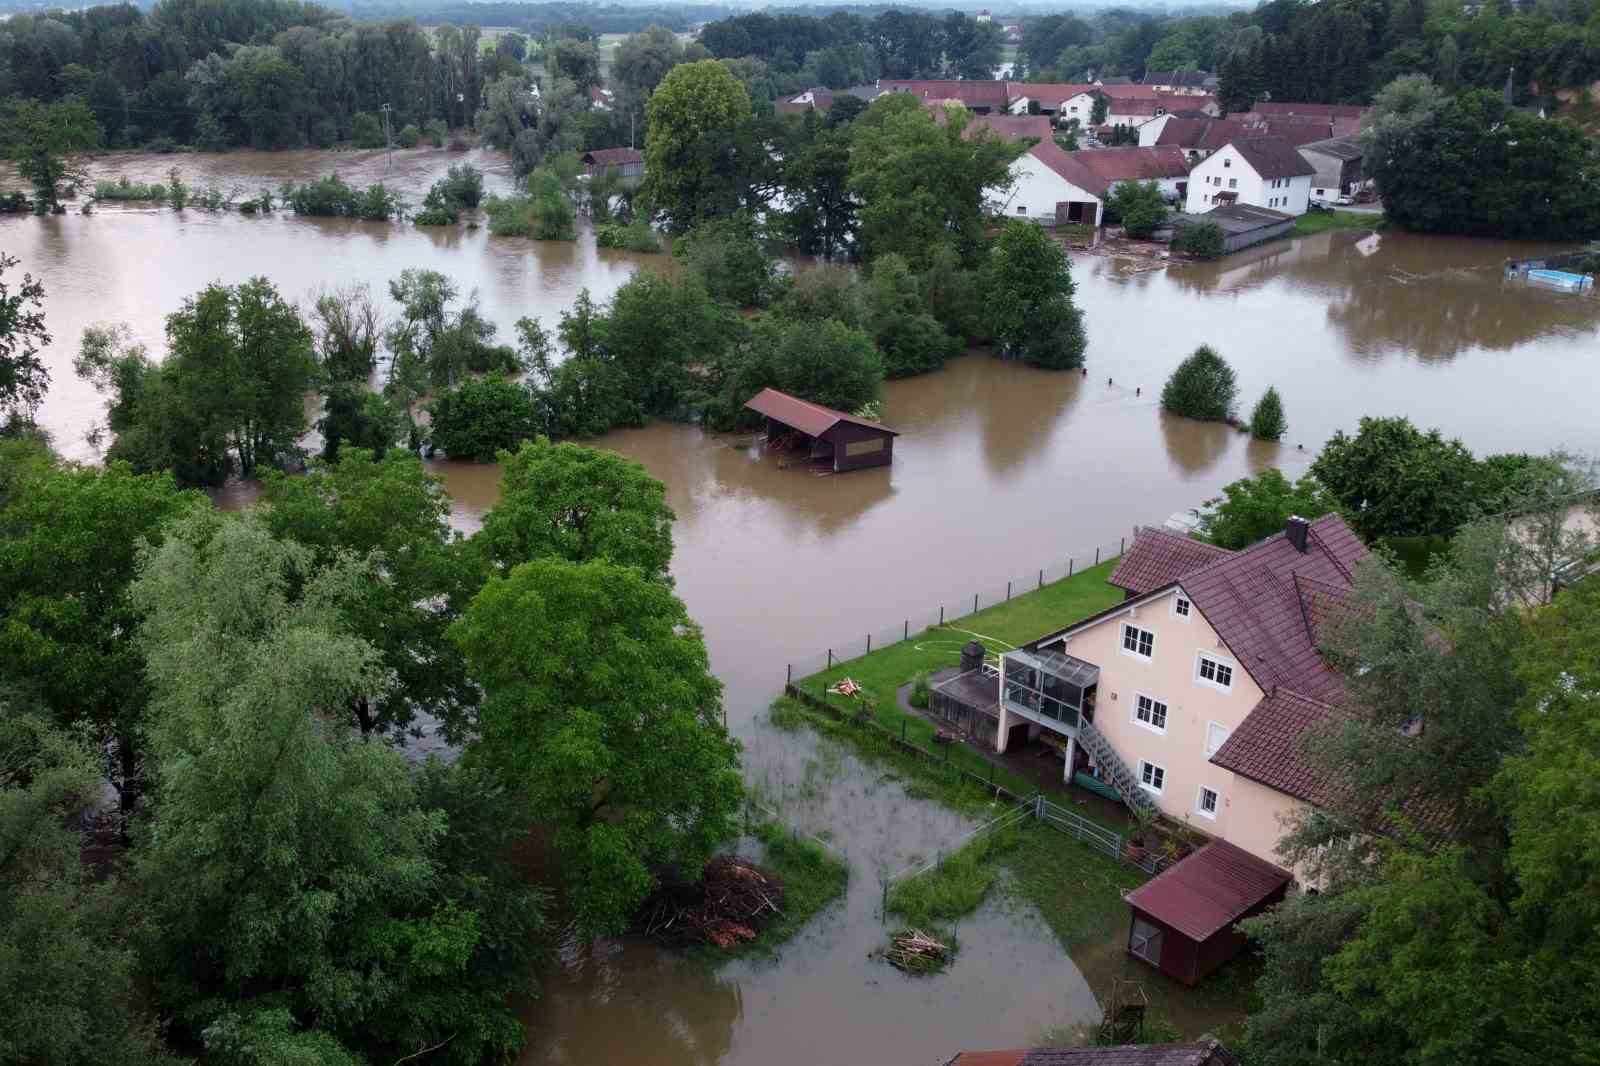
{"x": 1260, "y": 171}
{"x": 1057, "y": 187}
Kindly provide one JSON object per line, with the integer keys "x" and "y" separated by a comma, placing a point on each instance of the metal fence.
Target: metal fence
{"x": 1017, "y": 814}
{"x": 951, "y": 609}
{"x": 770, "y": 814}
{"x": 1076, "y": 825}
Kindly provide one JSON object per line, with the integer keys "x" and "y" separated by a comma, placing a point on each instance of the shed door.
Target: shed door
{"x": 1145, "y": 943}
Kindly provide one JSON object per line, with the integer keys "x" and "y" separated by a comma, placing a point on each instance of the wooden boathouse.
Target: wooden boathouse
{"x": 841, "y": 440}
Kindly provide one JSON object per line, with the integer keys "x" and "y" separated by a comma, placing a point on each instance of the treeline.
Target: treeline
{"x": 274, "y": 881}
{"x": 264, "y": 73}
{"x": 540, "y": 19}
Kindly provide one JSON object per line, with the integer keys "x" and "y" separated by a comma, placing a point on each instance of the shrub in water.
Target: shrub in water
{"x": 367, "y": 131}
{"x": 1202, "y": 387}
{"x": 435, "y": 131}
{"x": 481, "y": 417}
{"x": 1267, "y": 421}
{"x": 636, "y": 236}
{"x": 409, "y": 136}
{"x": 1203, "y": 240}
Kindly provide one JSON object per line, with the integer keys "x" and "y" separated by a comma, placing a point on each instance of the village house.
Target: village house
{"x": 1242, "y": 225}
{"x": 1200, "y": 134}
{"x": 1005, "y": 127}
{"x": 1337, "y": 162}
{"x": 1047, "y": 98}
{"x": 601, "y": 99}
{"x": 980, "y": 96}
{"x": 821, "y": 98}
{"x": 1259, "y": 171}
{"x": 1182, "y": 82}
{"x": 1345, "y": 119}
{"x": 1133, "y": 105}
{"x": 621, "y": 162}
{"x": 1056, "y": 187}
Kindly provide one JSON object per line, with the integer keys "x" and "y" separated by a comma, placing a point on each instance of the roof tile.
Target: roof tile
{"x": 1158, "y": 558}
{"x": 1209, "y": 891}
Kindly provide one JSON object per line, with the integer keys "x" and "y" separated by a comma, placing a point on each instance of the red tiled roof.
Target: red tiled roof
{"x": 1110, "y": 166}
{"x": 1063, "y": 163}
{"x": 1267, "y": 746}
{"x": 1050, "y": 94}
{"x": 1159, "y": 105}
{"x": 991, "y": 93}
{"x": 1209, "y": 134}
{"x": 1322, "y": 111}
{"x": 1272, "y": 157}
{"x": 812, "y": 419}
{"x": 613, "y": 157}
{"x": 1200, "y": 1053}
{"x": 1209, "y": 891}
{"x": 1009, "y": 127}
{"x": 1158, "y": 558}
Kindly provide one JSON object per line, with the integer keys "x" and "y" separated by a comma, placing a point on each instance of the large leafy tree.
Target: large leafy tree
{"x": 230, "y": 396}
{"x": 66, "y": 977}
{"x": 565, "y": 501}
{"x": 1251, "y": 509}
{"x": 600, "y": 704}
{"x": 642, "y": 61}
{"x": 68, "y": 548}
{"x": 822, "y": 214}
{"x": 826, "y": 362}
{"x": 49, "y": 144}
{"x": 699, "y": 157}
{"x": 389, "y": 509}
{"x": 1203, "y": 386}
{"x": 1393, "y": 479}
{"x": 1027, "y": 287}
{"x": 292, "y": 866}
{"x": 480, "y": 417}
{"x": 23, "y": 375}
{"x": 922, "y": 183}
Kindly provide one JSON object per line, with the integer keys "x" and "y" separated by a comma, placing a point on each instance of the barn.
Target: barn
{"x": 1185, "y": 918}
{"x": 842, "y": 440}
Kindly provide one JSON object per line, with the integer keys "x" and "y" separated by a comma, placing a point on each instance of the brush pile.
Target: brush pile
{"x": 916, "y": 952}
{"x": 731, "y": 903}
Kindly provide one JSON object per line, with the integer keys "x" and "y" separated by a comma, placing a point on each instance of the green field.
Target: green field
{"x": 1320, "y": 221}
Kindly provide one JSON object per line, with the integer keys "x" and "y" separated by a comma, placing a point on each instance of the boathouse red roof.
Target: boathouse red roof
{"x": 809, "y": 418}
{"x": 1209, "y": 891}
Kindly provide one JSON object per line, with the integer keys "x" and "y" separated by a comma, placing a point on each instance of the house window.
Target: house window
{"x": 1227, "y": 162}
{"x": 1152, "y": 778}
{"x": 1180, "y": 606}
{"x": 1150, "y": 712}
{"x": 1216, "y": 736}
{"x": 1022, "y": 209}
{"x": 1233, "y": 183}
{"x": 1136, "y": 641}
{"x": 1145, "y": 942}
{"x": 1218, "y": 673}
{"x": 1206, "y": 805}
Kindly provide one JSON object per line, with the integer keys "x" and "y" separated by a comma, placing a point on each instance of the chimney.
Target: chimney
{"x": 1297, "y": 529}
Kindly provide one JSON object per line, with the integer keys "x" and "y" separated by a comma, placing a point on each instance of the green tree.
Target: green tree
{"x": 600, "y": 704}
{"x": 564, "y": 501}
{"x": 577, "y": 61}
{"x": 480, "y": 417}
{"x": 911, "y": 340}
{"x": 696, "y": 163}
{"x": 433, "y": 342}
{"x": 1027, "y": 291}
{"x": 389, "y": 509}
{"x": 23, "y": 376}
{"x": 1139, "y": 205}
{"x": 1267, "y": 421}
{"x": 291, "y": 865}
{"x": 730, "y": 260}
{"x": 68, "y": 547}
{"x": 230, "y": 396}
{"x": 642, "y": 61}
{"x": 1099, "y": 109}
{"x": 1204, "y": 386}
{"x": 348, "y": 329}
{"x": 66, "y": 977}
{"x": 1252, "y": 509}
{"x": 1393, "y": 480}
{"x": 352, "y": 415}
{"x": 922, "y": 183}
{"x": 825, "y": 362}
{"x": 1202, "y": 239}
{"x": 49, "y": 143}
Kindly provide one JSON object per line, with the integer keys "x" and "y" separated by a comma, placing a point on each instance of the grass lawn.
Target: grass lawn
{"x": 1021, "y": 619}
{"x": 1318, "y": 221}
{"x": 1077, "y": 889}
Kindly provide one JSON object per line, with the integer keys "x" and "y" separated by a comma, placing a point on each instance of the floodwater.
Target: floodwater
{"x": 1000, "y": 471}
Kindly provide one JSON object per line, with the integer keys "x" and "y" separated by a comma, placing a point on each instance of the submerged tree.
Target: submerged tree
{"x": 49, "y": 144}
{"x": 1204, "y": 387}
{"x": 599, "y": 703}
{"x": 1027, "y": 288}
{"x": 23, "y": 375}
{"x": 1266, "y": 419}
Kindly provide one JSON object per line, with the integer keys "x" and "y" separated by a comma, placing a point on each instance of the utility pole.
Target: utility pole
{"x": 387, "y": 140}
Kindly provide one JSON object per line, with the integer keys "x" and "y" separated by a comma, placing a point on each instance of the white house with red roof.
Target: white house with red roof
{"x": 1057, "y": 187}
{"x": 1193, "y": 695}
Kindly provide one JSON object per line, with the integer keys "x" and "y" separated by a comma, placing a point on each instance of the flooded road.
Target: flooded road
{"x": 1000, "y": 470}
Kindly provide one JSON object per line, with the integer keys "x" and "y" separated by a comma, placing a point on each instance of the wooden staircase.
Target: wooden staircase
{"x": 1114, "y": 769}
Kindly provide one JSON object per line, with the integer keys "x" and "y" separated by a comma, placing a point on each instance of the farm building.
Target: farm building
{"x": 1184, "y": 920}
{"x": 624, "y": 162}
{"x": 1242, "y": 224}
{"x": 842, "y": 440}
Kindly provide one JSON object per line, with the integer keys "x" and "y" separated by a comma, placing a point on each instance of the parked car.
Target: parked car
{"x": 1344, "y": 200}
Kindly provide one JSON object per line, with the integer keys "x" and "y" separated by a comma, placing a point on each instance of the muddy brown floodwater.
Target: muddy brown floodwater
{"x": 1000, "y": 470}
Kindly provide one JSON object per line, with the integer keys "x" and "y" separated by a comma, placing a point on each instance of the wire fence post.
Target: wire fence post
{"x": 941, "y": 614}
{"x": 906, "y": 634}
{"x": 788, "y": 674}
{"x": 869, "y": 643}
{"x": 903, "y": 721}
{"x": 1008, "y": 592}
{"x": 1041, "y": 579}
{"x": 1069, "y": 567}
{"x": 1097, "y": 557}
{"x": 1122, "y": 545}
{"x": 974, "y": 603}
{"x": 830, "y": 658}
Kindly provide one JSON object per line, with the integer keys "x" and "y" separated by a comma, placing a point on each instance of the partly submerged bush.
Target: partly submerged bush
{"x": 1203, "y": 387}
{"x": 636, "y": 236}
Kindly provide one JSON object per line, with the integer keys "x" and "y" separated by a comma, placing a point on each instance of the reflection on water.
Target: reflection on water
{"x": 1000, "y": 470}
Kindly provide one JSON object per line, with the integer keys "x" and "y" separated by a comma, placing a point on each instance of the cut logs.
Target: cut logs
{"x": 730, "y": 904}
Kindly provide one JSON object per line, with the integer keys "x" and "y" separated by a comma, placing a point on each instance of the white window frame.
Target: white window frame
{"x": 1233, "y": 671}
{"x": 1122, "y": 642}
{"x": 1188, "y": 606}
{"x": 1157, "y": 768}
{"x": 1200, "y": 802}
{"x": 1166, "y": 712}
{"x": 1226, "y": 733}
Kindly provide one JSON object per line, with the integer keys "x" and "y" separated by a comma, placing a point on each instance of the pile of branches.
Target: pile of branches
{"x": 731, "y": 903}
{"x": 916, "y": 952}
